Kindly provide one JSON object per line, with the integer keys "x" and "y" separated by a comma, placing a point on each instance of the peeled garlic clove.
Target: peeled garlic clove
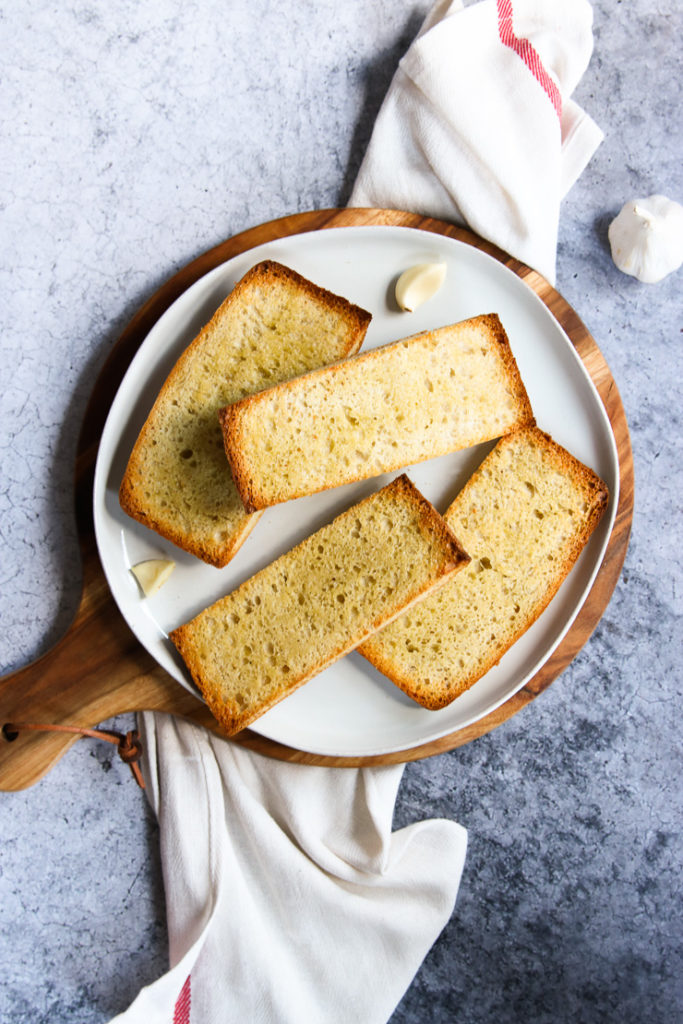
{"x": 419, "y": 283}
{"x": 646, "y": 238}
{"x": 152, "y": 574}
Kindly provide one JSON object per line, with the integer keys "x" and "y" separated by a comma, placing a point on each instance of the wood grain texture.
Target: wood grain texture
{"x": 99, "y": 669}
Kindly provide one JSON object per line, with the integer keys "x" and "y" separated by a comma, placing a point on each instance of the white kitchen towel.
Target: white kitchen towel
{"x": 289, "y": 899}
{"x": 478, "y": 127}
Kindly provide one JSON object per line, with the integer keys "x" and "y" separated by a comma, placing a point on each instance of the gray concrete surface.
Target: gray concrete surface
{"x": 136, "y": 137}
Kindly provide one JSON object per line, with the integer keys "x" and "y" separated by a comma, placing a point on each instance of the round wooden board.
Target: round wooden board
{"x": 99, "y": 669}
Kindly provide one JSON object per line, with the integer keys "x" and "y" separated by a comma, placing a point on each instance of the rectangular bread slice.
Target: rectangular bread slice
{"x": 316, "y": 602}
{"x": 524, "y": 517}
{"x": 274, "y": 325}
{"x": 383, "y": 410}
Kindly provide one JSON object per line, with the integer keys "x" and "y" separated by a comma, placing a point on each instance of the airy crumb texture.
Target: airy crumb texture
{"x": 318, "y": 601}
{"x": 392, "y": 407}
{"x": 274, "y": 325}
{"x": 524, "y": 518}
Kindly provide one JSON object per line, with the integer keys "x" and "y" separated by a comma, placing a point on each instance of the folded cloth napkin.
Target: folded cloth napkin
{"x": 288, "y": 896}
{"x": 289, "y": 899}
{"x": 478, "y": 128}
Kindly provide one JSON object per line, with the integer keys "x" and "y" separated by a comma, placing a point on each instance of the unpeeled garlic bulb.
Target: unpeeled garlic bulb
{"x": 152, "y": 574}
{"x": 419, "y": 283}
{"x": 646, "y": 238}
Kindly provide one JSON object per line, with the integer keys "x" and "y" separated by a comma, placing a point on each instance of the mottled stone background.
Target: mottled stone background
{"x": 137, "y": 136}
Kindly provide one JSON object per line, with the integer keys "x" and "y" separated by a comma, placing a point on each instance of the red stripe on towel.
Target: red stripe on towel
{"x": 524, "y": 49}
{"x": 181, "y": 1013}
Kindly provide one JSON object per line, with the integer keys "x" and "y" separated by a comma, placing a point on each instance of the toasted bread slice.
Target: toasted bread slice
{"x": 389, "y": 408}
{"x": 316, "y": 602}
{"x": 274, "y": 325}
{"x": 524, "y": 518}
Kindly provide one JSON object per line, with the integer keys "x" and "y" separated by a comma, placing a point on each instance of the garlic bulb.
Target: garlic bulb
{"x": 646, "y": 238}
{"x": 152, "y": 574}
{"x": 419, "y": 283}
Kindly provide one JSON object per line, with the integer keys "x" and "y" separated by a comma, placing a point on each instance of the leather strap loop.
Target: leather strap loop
{"x": 128, "y": 744}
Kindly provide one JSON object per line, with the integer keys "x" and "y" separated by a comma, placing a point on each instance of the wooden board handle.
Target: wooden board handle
{"x": 73, "y": 684}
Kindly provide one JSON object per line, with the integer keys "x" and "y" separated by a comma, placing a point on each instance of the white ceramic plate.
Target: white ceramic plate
{"x": 351, "y": 709}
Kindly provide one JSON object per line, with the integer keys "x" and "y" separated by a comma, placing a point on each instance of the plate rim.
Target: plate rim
{"x": 466, "y": 237}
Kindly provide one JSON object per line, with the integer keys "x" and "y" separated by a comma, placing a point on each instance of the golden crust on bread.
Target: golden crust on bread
{"x": 524, "y": 517}
{"x": 380, "y": 411}
{"x": 275, "y": 324}
{"x": 318, "y": 601}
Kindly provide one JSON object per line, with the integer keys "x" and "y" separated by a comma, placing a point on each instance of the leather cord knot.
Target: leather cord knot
{"x": 129, "y": 745}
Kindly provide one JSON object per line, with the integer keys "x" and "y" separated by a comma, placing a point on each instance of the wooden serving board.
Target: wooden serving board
{"x": 99, "y": 669}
